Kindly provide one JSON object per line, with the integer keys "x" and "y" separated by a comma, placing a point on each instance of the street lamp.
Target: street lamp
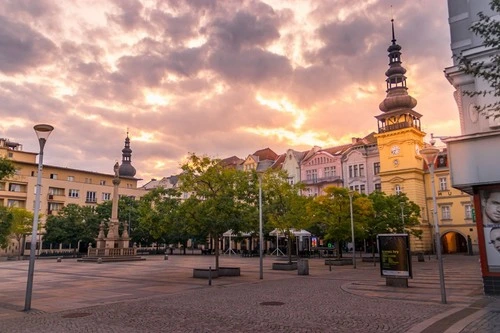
{"x": 402, "y": 204}
{"x": 42, "y": 132}
{"x": 430, "y": 155}
{"x": 351, "y": 193}
{"x": 261, "y": 235}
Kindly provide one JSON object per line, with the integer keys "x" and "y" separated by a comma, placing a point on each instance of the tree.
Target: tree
{"x": 387, "y": 217}
{"x": 488, "y": 29}
{"x": 221, "y": 198}
{"x": 73, "y": 224}
{"x": 22, "y": 223}
{"x": 284, "y": 207}
{"x": 158, "y": 214}
{"x": 5, "y": 225}
{"x": 7, "y": 168}
{"x": 332, "y": 209}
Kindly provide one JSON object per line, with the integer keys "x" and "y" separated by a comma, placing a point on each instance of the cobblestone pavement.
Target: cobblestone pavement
{"x": 159, "y": 295}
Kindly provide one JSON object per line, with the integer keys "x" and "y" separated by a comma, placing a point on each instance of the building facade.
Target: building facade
{"x": 60, "y": 187}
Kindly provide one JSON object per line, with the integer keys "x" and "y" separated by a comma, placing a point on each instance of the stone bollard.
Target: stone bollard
{"x": 99, "y": 260}
{"x": 166, "y": 257}
{"x": 59, "y": 259}
{"x": 303, "y": 267}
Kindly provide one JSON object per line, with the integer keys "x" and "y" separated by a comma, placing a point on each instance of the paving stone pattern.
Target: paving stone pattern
{"x": 161, "y": 296}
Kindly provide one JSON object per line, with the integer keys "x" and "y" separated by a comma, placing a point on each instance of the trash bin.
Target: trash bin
{"x": 303, "y": 267}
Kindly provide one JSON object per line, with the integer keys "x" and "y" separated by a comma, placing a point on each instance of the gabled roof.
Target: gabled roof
{"x": 338, "y": 150}
{"x": 231, "y": 162}
{"x": 278, "y": 163}
{"x": 266, "y": 154}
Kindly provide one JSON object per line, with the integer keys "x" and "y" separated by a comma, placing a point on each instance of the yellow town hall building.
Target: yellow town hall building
{"x": 403, "y": 170}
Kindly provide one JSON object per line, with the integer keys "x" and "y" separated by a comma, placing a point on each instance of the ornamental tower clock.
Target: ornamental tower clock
{"x": 400, "y": 138}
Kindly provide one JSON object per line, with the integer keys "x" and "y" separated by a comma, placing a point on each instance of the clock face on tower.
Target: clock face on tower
{"x": 395, "y": 150}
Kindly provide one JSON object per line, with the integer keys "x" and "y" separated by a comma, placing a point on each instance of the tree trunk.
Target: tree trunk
{"x": 289, "y": 247}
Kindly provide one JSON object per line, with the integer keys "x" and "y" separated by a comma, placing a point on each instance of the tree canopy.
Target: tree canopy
{"x": 221, "y": 198}
{"x": 7, "y": 168}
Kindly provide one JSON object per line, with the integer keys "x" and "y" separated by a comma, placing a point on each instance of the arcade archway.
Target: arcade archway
{"x": 453, "y": 242}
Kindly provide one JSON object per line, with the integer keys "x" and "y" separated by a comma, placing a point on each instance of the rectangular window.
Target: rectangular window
{"x": 53, "y": 176}
{"x": 468, "y": 211}
{"x": 106, "y": 196}
{"x": 356, "y": 188}
{"x": 362, "y": 189}
{"x": 397, "y": 189}
{"x": 312, "y": 175}
{"x": 329, "y": 171}
{"x": 378, "y": 187}
{"x": 14, "y": 188}
{"x": 442, "y": 184}
{"x": 361, "y": 170}
{"x": 350, "y": 171}
{"x": 445, "y": 213}
{"x": 355, "y": 170}
{"x": 72, "y": 193}
{"x": 56, "y": 191}
{"x": 376, "y": 168}
{"x": 91, "y": 196}
{"x": 71, "y": 178}
{"x": 102, "y": 182}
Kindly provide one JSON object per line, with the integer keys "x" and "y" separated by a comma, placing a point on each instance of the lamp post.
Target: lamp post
{"x": 351, "y": 193}
{"x": 402, "y": 204}
{"x": 430, "y": 155}
{"x": 261, "y": 235}
{"x": 42, "y": 132}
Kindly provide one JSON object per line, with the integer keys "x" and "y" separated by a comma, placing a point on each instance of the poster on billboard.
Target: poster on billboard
{"x": 490, "y": 209}
{"x": 394, "y": 253}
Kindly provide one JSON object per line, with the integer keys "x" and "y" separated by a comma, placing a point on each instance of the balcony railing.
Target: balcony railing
{"x": 331, "y": 179}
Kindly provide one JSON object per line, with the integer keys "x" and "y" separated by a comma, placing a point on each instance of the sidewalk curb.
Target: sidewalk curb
{"x": 429, "y": 322}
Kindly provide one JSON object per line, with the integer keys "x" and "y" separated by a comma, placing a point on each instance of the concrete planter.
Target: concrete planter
{"x": 284, "y": 266}
{"x": 203, "y": 273}
{"x": 229, "y": 271}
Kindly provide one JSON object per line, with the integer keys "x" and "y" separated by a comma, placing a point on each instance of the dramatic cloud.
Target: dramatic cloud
{"x": 212, "y": 77}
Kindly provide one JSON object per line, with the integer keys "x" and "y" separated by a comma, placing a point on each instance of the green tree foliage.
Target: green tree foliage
{"x": 221, "y": 198}
{"x": 22, "y": 224}
{"x": 159, "y": 216}
{"x": 285, "y": 208}
{"x": 5, "y": 226}
{"x": 7, "y": 168}
{"x": 332, "y": 210}
{"x": 72, "y": 224}
{"x": 387, "y": 217}
{"x": 488, "y": 29}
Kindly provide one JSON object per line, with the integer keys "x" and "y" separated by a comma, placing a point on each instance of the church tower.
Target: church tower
{"x": 126, "y": 168}
{"x": 399, "y": 140}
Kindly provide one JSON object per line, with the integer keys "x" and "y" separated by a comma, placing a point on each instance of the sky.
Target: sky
{"x": 217, "y": 78}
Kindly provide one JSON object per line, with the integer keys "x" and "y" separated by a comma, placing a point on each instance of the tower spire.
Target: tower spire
{"x": 126, "y": 168}
{"x": 397, "y": 95}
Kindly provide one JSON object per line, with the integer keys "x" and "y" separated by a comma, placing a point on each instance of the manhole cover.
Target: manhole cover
{"x": 76, "y": 315}
{"x": 272, "y": 303}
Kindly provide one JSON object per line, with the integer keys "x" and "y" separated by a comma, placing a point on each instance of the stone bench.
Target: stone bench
{"x": 284, "y": 266}
{"x": 338, "y": 262}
